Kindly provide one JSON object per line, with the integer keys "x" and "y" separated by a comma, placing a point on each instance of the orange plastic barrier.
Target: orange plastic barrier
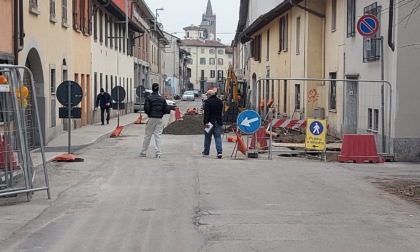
{"x": 177, "y": 114}
{"x": 261, "y": 143}
{"x": 359, "y": 149}
{"x": 138, "y": 121}
{"x": 117, "y": 131}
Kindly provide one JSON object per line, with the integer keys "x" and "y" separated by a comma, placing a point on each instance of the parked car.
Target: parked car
{"x": 139, "y": 106}
{"x": 171, "y": 104}
{"x": 188, "y": 96}
{"x": 197, "y": 93}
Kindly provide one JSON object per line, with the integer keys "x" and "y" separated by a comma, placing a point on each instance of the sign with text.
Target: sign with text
{"x": 316, "y": 132}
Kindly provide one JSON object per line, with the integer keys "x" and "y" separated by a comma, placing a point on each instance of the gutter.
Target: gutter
{"x": 390, "y": 25}
{"x": 306, "y": 9}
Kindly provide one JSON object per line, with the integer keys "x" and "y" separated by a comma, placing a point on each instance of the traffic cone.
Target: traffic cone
{"x": 177, "y": 114}
{"x": 138, "y": 121}
{"x": 117, "y": 131}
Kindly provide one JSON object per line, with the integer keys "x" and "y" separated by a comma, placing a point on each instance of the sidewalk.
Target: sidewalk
{"x": 83, "y": 137}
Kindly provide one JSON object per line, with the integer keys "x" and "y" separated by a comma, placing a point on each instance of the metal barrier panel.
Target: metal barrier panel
{"x": 18, "y": 111}
{"x": 350, "y": 106}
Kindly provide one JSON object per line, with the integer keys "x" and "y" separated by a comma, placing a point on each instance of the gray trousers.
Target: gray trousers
{"x": 154, "y": 126}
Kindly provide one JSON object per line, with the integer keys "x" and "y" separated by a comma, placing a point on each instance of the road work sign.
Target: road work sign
{"x": 316, "y": 134}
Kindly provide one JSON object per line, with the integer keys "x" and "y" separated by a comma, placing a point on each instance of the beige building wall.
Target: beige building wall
{"x": 6, "y": 29}
{"x": 334, "y": 64}
{"x": 47, "y": 46}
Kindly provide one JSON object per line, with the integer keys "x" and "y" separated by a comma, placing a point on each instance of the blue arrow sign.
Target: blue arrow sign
{"x": 248, "y": 121}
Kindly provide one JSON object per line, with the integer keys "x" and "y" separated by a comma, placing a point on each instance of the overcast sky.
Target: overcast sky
{"x": 183, "y": 13}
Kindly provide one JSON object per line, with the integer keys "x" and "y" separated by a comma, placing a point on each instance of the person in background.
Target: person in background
{"x": 213, "y": 109}
{"x": 155, "y": 107}
{"x": 104, "y": 101}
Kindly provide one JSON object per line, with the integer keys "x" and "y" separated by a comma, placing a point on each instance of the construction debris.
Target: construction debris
{"x": 189, "y": 125}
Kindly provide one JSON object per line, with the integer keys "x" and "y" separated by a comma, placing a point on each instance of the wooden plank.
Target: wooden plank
{"x": 302, "y": 145}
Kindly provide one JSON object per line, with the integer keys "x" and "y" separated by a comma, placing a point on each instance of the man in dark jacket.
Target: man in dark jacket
{"x": 104, "y": 100}
{"x": 155, "y": 107}
{"x": 213, "y": 109}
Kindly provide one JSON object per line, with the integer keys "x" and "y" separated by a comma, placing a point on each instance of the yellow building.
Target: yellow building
{"x": 57, "y": 48}
{"x": 6, "y": 29}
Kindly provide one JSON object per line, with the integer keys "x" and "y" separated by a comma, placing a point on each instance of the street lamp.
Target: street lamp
{"x": 156, "y": 16}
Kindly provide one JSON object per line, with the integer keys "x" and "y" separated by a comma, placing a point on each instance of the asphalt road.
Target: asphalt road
{"x": 118, "y": 201}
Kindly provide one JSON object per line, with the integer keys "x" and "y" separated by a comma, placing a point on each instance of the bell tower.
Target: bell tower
{"x": 208, "y": 22}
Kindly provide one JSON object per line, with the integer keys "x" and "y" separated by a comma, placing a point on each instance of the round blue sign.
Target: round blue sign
{"x": 316, "y": 128}
{"x": 248, "y": 121}
{"x": 368, "y": 25}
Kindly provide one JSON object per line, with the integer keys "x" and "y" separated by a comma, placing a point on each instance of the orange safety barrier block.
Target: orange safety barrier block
{"x": 117, "y": 131}
{"x": 231, "y": 139}
{"x": 67, "y": 158}
{"x": 241, "y": 143}
{"x": 261, "y": 142}
{"x": 359, "y": 149}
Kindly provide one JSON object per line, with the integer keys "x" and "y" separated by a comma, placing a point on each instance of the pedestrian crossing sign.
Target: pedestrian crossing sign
{"x": 316, "y": 134}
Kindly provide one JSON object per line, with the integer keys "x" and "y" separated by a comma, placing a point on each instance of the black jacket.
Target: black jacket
{"x": 155, "y": 106}
{"x": 213, "y": 110}
{"x": 101, "y": 100}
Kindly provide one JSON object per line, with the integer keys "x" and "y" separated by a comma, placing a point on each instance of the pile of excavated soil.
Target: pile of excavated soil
{"x": 189, "y": 125}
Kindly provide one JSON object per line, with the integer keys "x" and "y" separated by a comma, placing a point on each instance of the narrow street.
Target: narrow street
{"x": 118, "y": 201}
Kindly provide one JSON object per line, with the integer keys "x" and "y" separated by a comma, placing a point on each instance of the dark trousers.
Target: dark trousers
{"x": 102, "y": 114}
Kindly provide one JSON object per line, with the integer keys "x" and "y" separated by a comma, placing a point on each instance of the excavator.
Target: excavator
{"x": 235, "y": 97}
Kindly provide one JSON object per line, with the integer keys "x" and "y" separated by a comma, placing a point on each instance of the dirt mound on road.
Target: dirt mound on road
{"x": 190, "y": 125}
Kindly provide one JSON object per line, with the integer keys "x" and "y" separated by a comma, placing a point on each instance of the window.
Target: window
{"x": 106, "y": 30}
{"x": 267, "y": 56}
{"x": 351, "y": 18}
{"x": 333, "y": 91}
{"x": 33, "y": 4}
{"x": 52, "y": 79}
{"x": 283, "y": 33}
{"x": 211, "y": 51}
{"x": 64, "y": 10}
{"x": 111, "y": 40}
{"x": 100, "y": 81}
{"x": 298, "y": 35}
{"x": 297, "y": 96}
{"x": 220, "y": 61}
{"x": 101, "y": 17}
{"x": 370, "y": 119}
{"x": 52, "y": 10}
{"x": 95, "y": 26}
{"x": 202, "y": 61}
{"x": 189, "y": 49}
{"x": 220, "y": 74}
{"x": 371, "y": 45}
{"x": 212, "y": 61}
{"x": 256, "y": 48}
{"x": 116, "y": 36}
{"x": 376, "y": 119}
{"x": 220, "y": 51}
{"x": 212, "y": 73}
{"x": 202, "y": 50}
{"x": 333, "y": 15}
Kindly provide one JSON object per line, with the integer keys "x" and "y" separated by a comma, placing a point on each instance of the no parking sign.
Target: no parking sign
{"x": 368, "y": 25}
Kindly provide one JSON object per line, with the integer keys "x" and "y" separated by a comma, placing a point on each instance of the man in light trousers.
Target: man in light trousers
{"x": 155, "y": 107}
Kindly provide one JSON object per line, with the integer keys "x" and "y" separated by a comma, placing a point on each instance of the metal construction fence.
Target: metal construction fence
{"x": 18, "y": 112}
{"x": 350, "y": 106}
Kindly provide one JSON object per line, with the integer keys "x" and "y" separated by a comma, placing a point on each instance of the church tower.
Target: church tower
{"x": 208, "y": 23}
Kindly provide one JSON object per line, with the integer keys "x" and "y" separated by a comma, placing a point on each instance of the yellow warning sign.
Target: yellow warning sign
{"x": 316, "y": 131}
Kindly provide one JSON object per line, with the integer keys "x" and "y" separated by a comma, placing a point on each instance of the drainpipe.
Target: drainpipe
{"x": 390, "y": 25}
{"x": 15, "y": 31}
